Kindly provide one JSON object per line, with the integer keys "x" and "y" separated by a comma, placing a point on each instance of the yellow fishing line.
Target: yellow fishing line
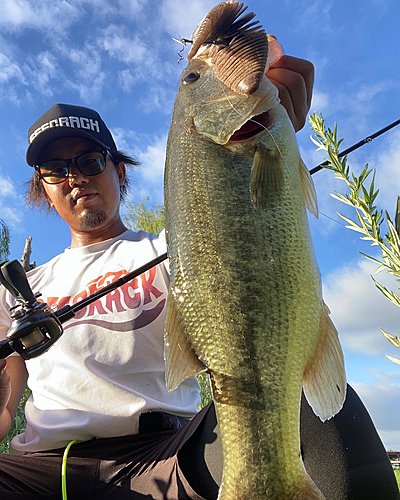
{"x": 64, "y": 469}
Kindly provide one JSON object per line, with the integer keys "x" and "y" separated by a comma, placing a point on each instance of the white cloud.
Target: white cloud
{"x": 381, "y": 7}
{"x": 86, "y": 75}
{"x": 90, "y": 91}
{"x": 153, "y": 160}
{"x": 43, "y": 71}
{"x": 318, "y": 14}
{"x": 51, "y": 18}
{"x": 81, "y": 60}
{"x": 10, "y": 71}
{"x": 320, "y": 101}
{"x": 355, "y": 104}
{"x": 10, "y": 203}
{"x": 6, "y": 188}
{"x": 359, "y": 309}
{"x": 147, "y": 179}
{"x": 387, "y": 165}
{"x": 180, "y": 20}
{"x": 122, "y": 47}
{"x": 368, "y": 92}
{"x": 126, "y": 80}
{"x": 160, "y": 100}
{"x": 126, "y": 140}
{"x": 12, "y": 216}
{"x": 383, "y": 403}
{"x": 86, "y": 61}
{"x": 132, "y": 8}
{"x": 15, "y": 12}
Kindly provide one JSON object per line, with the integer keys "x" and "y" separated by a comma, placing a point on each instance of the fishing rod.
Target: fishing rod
{"x": 35, "y": 327}
{"x": 357, "y": 145}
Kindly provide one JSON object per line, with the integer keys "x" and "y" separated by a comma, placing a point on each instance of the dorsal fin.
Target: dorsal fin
{"x": 236, "y": 48}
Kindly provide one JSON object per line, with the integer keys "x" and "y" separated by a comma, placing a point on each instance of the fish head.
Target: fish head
{"x": 211, "y": 109}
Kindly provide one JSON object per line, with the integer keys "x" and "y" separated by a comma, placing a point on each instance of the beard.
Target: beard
{"x": 93, "y": 218}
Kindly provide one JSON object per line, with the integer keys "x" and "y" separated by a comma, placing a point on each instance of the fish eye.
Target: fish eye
{"x": 191, "y": 78}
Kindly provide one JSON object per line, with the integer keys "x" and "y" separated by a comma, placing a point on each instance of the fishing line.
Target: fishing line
{"x": 64, "y": 469}
{"x": 334, "y": 220}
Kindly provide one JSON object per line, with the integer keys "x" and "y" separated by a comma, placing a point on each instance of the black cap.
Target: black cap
{"x": 66, "y": 120}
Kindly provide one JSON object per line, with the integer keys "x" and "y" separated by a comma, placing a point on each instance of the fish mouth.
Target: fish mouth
{"x": 252, "y": 127}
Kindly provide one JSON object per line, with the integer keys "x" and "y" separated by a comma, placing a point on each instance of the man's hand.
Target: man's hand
{"x": 5, "y": 386}
{"x": 294, "y": 79}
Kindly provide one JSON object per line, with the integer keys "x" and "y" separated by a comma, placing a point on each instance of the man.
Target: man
{"x": 103, "y": 383}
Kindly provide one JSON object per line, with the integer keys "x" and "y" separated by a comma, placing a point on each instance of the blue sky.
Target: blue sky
{"x": 118, "y": 57}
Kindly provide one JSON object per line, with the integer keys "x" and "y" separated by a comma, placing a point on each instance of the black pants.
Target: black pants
{"x": 344, "y": 456}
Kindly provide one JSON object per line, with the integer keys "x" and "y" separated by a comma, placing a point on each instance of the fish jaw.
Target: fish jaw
{"x": 209, "y": 108}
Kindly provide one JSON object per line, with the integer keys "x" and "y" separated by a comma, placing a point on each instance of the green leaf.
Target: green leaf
{"x": 392, "y": 296}
{"x": 352, "y": 225}
{"x": 342, "y": 198}
{"x": 319, "y": 145}
{"x": 395, "y": 360}
{"x": 393, "y": 340}
{"x": 362, "y": 198}
{"x": 4, "y": 240}
{"x": 140, "y": 217}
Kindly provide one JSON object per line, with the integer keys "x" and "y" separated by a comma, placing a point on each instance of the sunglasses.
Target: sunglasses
{"x": 89, "y": 163}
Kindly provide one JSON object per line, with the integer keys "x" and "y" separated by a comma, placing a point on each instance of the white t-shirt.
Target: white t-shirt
{"x": 108, "y": 366}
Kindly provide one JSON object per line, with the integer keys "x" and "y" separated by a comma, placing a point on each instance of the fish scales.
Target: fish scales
{"x": 226, "y": 261}
{"x": 245, "y": 286}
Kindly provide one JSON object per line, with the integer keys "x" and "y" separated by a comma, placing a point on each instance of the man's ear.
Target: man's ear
{"x": 51, "y": 204}
{"x": 121, "y": 170}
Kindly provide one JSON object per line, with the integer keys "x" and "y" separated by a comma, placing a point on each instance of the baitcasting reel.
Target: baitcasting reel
{"x": 35, "y": 327}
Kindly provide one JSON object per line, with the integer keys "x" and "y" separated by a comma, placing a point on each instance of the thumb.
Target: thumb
{"x": 275, "y": 51}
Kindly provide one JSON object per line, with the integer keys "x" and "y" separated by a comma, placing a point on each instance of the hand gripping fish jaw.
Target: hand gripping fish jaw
{"x": 35, "y": 326}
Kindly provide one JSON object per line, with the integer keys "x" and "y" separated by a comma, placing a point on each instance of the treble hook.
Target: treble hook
{"x": 182, "y": 41}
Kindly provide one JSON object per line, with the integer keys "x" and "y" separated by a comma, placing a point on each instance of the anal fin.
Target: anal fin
{"x": 181, "y": 362}
{"x": 324, "y": 380}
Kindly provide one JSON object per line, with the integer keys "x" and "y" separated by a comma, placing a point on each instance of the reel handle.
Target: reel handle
{"x": 13, "y": 277}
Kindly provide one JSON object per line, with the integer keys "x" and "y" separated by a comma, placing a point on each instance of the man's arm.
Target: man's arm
{"x": 13, "y": 377}
{"x": 294, "y": 79}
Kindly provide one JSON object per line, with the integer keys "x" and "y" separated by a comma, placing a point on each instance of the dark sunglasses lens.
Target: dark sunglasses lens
{"x": 91, "y": 163}
{"x": 54, "y": 172}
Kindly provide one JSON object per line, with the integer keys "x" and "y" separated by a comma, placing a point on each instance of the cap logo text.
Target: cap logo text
{"x": 67, "y": 121}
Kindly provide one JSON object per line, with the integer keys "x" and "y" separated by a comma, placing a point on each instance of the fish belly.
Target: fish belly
{"x": 248, "y": 291}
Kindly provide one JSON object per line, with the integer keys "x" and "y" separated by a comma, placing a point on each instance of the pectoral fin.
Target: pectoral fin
{"x": 266, "y": 180}
{"x": 307, "y": 184}
{"x": 324, "y": 381}
{"x": 180, "y": 359}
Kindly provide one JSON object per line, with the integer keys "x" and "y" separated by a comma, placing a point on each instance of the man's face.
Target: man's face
{"x": 85, "y": 203}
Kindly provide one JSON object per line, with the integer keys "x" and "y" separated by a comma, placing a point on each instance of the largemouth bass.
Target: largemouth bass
{"x": 245, "y": 300}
